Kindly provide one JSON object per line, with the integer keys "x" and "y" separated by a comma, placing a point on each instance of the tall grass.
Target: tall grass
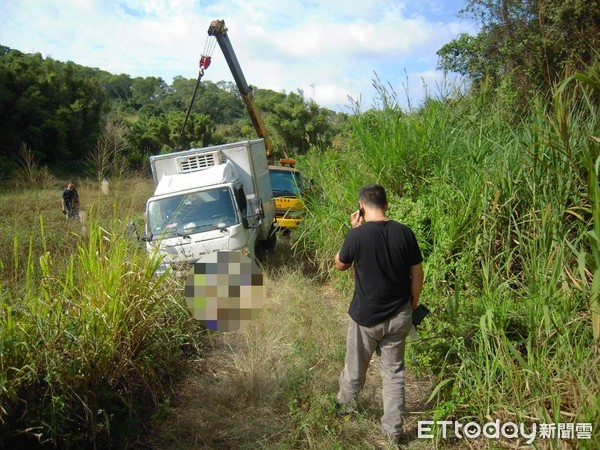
{"x": 90, "y": 339}
{"x": 507, "y": 213}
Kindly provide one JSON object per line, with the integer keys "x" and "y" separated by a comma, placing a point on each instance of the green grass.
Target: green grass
{"x": 507, "y": 212}
{"x": 90, "y": 339}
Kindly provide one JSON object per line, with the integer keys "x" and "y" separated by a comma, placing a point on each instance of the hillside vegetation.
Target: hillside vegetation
{"x": 507, "y": 215}
{"x": 507, "y": 212}
{"x": 59, "y": 110}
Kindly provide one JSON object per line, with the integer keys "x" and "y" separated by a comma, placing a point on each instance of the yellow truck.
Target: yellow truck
{"x": 286, "y": 183}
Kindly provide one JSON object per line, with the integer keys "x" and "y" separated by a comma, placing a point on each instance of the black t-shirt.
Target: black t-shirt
{"x": 382, "y": 253}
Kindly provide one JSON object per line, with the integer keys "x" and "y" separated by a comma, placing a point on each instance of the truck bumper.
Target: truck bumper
{"x": 284, "y": 222}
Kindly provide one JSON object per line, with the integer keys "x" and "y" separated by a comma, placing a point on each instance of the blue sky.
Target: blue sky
{"x": 331, "y": 49}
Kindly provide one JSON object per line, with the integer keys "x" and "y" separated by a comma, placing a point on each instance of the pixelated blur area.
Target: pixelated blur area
{"x": 225, "y": 290}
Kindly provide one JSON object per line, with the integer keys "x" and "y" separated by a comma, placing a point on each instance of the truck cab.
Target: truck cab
{"x": 286, "y": 183}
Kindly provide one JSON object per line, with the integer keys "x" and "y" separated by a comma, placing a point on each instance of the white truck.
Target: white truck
{"x": 207, "y": 200}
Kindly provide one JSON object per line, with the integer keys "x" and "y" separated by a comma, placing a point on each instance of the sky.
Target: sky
{"x": 332, "y": 50}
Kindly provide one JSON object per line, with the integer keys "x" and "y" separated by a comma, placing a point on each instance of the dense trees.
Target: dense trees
{"x": 158, "y": 133}
{"x": 55, "y": 108}
{"x": 525, "y": 45}
{"x": 59, "y": 110}
{"x": 296, "y": 122}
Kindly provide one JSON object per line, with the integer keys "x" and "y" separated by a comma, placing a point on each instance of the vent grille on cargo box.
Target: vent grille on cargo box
{"x": 202, "y": 161}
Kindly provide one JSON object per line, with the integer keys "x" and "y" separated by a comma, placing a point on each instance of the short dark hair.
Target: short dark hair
{"x": 373, "y": 195}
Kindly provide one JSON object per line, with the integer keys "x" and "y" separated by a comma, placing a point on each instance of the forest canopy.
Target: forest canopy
{"x": 58, "y": 110}
{"x": 525, "y": 46}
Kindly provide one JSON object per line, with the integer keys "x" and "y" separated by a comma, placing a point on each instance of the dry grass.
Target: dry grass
{"x": 273, "y": 383}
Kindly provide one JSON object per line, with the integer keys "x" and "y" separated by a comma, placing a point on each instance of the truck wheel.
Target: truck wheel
{"x": 271, "y": 241}
{"x": 267, "y": 246}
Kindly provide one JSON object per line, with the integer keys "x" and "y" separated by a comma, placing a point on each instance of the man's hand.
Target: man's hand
{"x": 356, "y": 220}
{"x": 414, "y": 303}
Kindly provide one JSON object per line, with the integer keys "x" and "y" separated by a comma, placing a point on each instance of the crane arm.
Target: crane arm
{"x": 219, "y": 31}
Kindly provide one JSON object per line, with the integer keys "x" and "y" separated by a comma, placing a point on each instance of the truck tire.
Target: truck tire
{"x": 271, "y": 242}
{"x": 267, "y": 246}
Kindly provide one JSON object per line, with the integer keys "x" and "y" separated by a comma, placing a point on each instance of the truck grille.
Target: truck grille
{"x": 194, "y": 163}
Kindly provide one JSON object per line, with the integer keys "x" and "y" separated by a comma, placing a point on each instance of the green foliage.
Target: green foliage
{"x": 60, "y": 110}
{"x": 294, "y": 122}
{"x": 525, "y": 46}
{"x": 160, "y": 133}
{"x": 463, "y": 55}
{"x": 506, "y": 213}
{"x": 90, "y": 339}
{"x": 54, "y": 108}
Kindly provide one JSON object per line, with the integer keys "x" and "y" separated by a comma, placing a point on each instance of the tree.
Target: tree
{"x": 528, "y": 45}
{"x": 294, "y": 123}
{"x": 117, "y": 86}
{"x": 52, "y": 107}
{"x": 59, "y": 109}
{"x": 146, "y": 91}
{"x": 156, "y": 134}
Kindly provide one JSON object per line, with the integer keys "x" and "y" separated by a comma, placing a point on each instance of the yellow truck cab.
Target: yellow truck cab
{"x": 286, "y": 183}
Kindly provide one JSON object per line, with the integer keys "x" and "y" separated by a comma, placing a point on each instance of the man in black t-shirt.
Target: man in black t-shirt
{"x": 388, "y": 277}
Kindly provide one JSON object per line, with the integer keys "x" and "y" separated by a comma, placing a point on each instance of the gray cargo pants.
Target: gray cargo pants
{"x": 388, "y": 339}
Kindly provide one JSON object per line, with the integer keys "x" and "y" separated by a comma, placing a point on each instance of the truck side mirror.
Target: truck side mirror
{"x": 256, "y": 205}
{"x": 256, "y": 213}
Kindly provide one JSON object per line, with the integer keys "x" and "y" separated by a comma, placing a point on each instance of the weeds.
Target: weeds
{"x": 507, "y": 215}
{"x": 90, "y": 340}
{"x": 30, "y": 174}
{"x": 108, "y": 157}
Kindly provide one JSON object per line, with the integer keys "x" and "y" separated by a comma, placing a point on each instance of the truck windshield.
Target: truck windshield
{"x": 194, "y": 212}
{"x": 285, "y": 183}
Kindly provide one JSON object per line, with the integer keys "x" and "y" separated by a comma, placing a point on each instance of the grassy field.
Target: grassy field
{"x": 90, "y": 340}
{"x": 95, "y": 350}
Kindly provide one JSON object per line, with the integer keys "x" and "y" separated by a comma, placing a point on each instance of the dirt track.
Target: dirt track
{"x": 229, "y": 399}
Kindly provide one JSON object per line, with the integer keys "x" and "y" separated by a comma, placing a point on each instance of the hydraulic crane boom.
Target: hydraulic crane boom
{"x": 219, "y": 31}
{"x": 286, "y": 181}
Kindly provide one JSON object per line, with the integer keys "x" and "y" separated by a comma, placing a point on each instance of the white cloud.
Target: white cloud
{"x": 281, "y": 44}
